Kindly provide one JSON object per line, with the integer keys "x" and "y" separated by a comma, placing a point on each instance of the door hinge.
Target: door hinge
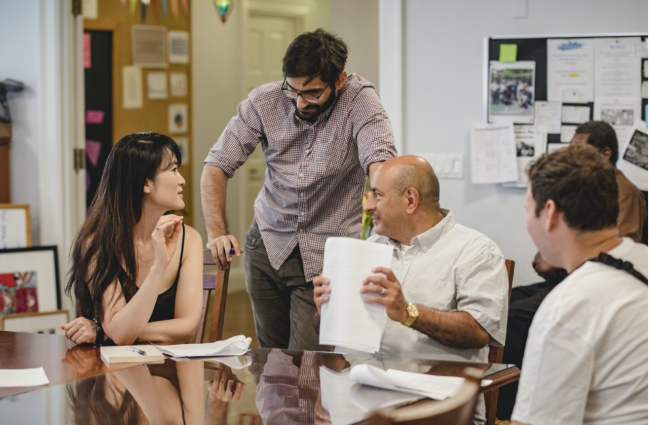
{"x": 77, "y": 7}
{"x": 79, "y": 159}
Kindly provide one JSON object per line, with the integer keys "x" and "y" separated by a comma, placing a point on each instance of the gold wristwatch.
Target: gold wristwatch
{"x": 413, "y": 313}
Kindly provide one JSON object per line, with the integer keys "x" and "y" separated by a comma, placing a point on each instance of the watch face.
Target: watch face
{"x": 412, "y": 311}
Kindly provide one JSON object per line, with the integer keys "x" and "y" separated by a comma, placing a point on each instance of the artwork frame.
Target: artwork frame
{"x": 11, "y": 222}
{"x": 44, "y": 322}
{"x": 42, "y": 286}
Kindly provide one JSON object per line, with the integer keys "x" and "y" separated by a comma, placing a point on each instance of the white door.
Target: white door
{"x": 267, "y": 39}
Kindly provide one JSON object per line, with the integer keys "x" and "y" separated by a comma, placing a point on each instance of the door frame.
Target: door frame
{"x": 62, "y": 190}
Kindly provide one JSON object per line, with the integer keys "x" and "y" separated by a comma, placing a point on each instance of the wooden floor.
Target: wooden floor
{"x": 239, "y": 317}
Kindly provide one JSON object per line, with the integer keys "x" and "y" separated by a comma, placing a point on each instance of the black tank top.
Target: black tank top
{"x": 166, "y": 302}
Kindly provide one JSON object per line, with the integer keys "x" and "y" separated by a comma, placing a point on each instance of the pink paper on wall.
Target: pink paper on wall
{"x": 92, "y": 151}
{"x": 87, "y": 50}
{"x": 94, "y": 117}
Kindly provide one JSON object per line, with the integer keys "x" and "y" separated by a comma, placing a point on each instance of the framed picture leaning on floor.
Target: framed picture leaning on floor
{"x": 29, "y": 280}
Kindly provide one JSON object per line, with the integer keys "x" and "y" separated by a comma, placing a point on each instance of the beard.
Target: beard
{"x": 313, "y": 110}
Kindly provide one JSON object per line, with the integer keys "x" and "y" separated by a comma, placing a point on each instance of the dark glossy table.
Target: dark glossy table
{"x": 277, "y": 386}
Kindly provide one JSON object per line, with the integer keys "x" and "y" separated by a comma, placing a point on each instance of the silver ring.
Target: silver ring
{"x": 383, "y": 291}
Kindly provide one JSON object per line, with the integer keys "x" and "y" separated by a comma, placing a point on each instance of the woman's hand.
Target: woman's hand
{"x": 226, "y": 387}
{"x": 80, "y": 331}
{"x": 165, "y": 237}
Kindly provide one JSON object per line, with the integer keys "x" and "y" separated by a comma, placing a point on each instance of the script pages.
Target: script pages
{"x": 346, "y": 320}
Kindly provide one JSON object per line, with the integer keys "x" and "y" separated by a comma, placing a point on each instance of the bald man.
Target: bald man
{"x": 446, "y": 293}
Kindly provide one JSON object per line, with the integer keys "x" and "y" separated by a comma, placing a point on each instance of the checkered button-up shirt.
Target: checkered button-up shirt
{"x": 315, "y": 171}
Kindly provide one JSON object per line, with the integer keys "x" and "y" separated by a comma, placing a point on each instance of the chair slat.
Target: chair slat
{"x": 219, "y": 284}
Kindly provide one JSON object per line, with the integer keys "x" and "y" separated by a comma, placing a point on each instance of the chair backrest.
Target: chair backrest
{"x": 496, "y": 356}
{"x": 219, "y": 284}
{"x": 456, "y": 410}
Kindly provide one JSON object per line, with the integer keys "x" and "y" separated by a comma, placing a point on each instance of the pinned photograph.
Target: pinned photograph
{"x": 634, "y": 158}
{"x": 512, "y": 92}
{"x": 637, "y": 150}
{"x": 178, "y": 118}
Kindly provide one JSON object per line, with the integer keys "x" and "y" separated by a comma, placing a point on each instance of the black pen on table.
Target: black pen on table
{"x": 142, "y": 353}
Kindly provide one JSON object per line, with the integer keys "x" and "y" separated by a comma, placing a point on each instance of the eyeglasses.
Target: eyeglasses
{"x": 292, "y": 94}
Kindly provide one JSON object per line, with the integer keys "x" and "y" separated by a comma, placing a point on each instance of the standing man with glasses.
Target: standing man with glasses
{"x": 322, "y": 132}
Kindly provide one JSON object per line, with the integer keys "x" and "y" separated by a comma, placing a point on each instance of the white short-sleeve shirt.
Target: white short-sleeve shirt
{"x": 586, "y": 358}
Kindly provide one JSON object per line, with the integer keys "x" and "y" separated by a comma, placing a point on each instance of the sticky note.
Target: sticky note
{"x": 94, "y": 117}
{"x": 507, "y": 53}
{"x": 87, "y": 50}
{"x": 93, "y": 148}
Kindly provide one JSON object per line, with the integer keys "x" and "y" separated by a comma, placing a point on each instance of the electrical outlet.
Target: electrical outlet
{"x": 445, "y": 165}
{"x": 519, "y": 9}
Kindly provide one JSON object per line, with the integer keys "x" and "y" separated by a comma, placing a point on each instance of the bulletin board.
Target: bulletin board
{"x": 155, "y": 109}
{"x": 534, "y": 48}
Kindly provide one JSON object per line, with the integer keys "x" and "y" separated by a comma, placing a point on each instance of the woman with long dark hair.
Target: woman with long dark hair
{"x": 136, "y": 273}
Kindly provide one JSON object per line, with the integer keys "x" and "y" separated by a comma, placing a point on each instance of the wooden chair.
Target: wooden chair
{"x": 496, "y": 356}
{"x": 456, "y": 410}
{"x": 218, "y": 284}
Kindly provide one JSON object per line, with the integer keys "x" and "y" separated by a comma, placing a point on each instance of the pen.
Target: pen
{"x": 231, "y": 251}
{"x": 142, "y": 353}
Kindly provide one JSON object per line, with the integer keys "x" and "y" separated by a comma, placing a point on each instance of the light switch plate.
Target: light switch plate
{"x": 446, "y": 165}
{"x": 519, "y": 9}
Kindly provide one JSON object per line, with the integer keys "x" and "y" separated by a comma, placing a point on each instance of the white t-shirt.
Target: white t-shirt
{"x": 586, "y": 358}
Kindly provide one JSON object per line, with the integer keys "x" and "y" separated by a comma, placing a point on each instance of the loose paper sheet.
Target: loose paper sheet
{"x": 531, "y": 144}
{"x": 346, "y": 320}
{"x": 13, "y": 228}
{"x": 132, "y": 87}
{"x": 549, "y": 114}
{"x": 178, "y": 84}
{"x": 494, "y": 153}
{"x": 179, "y": 51}
{"x": 567, "y": 133}
{"x": 570, "y": 65}
{"x": 348, "y": 402}
{"x": 620, "y": 113}
{"x": 157, "y": 85}
{"x": 432, "y": 386}
{"x": 618, "y": 70}
{"x": 575, "y": 114}
{"x": 23, "y": 377}
{"x": 634, "y": 157}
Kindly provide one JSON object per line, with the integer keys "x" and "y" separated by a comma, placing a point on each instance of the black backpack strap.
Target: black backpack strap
{"x": 626, "y": 266}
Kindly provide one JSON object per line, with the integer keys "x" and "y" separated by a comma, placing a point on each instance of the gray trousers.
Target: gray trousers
{"x": 283, "y": 302}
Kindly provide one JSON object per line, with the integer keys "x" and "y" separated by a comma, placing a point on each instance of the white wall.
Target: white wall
{"x": 357, "y": 23}
{"x": 20, "y": 59}
{"x": 443, "y": 63}
{"x": 37, "y": 48}
{"x": 217, "y": 90}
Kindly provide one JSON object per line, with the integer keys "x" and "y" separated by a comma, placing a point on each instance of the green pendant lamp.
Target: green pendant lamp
{"x": 224, "y": 8}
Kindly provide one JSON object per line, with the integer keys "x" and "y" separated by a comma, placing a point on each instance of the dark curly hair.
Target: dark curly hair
{"x": 315, "y": 54}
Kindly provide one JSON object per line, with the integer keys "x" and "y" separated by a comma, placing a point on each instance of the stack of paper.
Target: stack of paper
{"x": 23, "y": 377}
{"x": 347, "y": 321}
{"x": 432, "y": 386}
{"x": 235, "y": 346}
{"x": 348, "y": 402}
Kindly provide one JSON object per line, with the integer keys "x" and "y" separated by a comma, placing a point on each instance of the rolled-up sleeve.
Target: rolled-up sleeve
{"x": 238, "y": 140}
{"x": 371, "y": 129}
{"x": 482, "y": 291}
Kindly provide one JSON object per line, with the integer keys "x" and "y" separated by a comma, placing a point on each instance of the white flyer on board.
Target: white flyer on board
{"x": 570, "y": 65}
{"x": 494, "y": 153}
{"x": 531, "y": 144}
{"x": 549, "y": 114}
{"x": 617, "y": 68}
{"x": 634, "y": 157}
{"x": 620, "y": 113}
